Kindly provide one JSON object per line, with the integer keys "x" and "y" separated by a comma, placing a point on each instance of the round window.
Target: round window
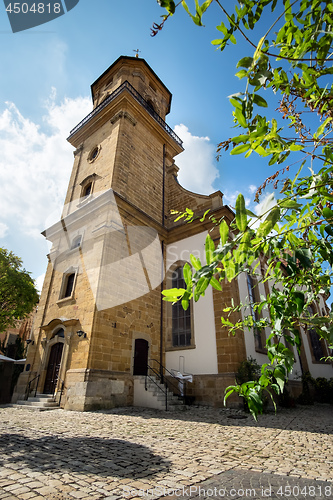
{"x": 93, "y": 154}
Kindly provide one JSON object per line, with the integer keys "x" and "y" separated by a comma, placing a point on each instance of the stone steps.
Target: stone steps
{"x": 154, "y": 396}
{"x": 40, "y": 402}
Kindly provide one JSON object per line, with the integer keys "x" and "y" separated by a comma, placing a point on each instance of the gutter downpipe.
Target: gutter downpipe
{"x": 162, "y": 270}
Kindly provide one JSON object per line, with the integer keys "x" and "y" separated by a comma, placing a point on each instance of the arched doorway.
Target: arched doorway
{"x": 53, "y": 367}
{"x": 140, "y": 357}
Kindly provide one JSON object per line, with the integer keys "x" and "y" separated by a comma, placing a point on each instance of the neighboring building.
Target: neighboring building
{"x": 101, "y": 316}
{"x": 21, "y": 329}
{"x": 13, "y": 350}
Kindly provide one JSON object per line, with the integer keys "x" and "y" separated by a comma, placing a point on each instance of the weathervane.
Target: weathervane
{"x": 136, "y": 52}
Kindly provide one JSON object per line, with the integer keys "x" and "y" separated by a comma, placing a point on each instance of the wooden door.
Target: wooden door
{"x": 53, "y": 367}
{"x": 140, "y": 357}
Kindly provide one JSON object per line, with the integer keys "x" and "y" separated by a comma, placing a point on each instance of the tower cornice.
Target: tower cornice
{"x": 102, "y": 109}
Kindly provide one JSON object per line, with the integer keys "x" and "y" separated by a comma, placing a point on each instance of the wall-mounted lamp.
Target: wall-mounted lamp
{"x": 81, "y": 333}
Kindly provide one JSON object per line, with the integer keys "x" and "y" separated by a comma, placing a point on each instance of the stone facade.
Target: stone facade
{"x": 101, "y": 317}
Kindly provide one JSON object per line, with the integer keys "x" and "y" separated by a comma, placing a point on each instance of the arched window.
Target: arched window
{"x": 59, "y": 333}
{"x": 87, "y": 187}
{"x": 181, "y": 319}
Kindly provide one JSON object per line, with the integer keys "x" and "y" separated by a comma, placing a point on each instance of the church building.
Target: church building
{"x": 101, "y": 319}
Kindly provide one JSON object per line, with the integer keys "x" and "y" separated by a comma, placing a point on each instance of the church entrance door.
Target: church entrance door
{"x": 140, "y": 357}
{"x": 53, "y": 367}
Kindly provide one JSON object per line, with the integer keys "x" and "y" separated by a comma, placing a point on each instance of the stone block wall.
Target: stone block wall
{"x": 88, "y": 390}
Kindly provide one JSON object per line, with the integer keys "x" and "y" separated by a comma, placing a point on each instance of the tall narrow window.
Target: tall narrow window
{"x": 181, "y": 319}
{"x": 87, "y": 190}
{"x": 252, "y": 300}
{"x": 69, "y": 285}
{"x": 316, "y": 343}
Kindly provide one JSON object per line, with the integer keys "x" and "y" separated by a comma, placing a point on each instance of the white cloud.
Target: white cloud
{"x": 230, "y": 198}
{"x": 3, "y": 230}
{"x": 265, "y": 204}
{"x": 252, "y": 189}
{"x": 39, "y": 282}
{"x": 197, "y": 163}
{"x": 35, "y": 165}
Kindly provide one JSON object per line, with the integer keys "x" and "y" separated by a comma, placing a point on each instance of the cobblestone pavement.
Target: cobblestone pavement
{"x": 202, "y": 452}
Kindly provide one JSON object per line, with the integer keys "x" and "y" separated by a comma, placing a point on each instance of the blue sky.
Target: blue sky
{"x": 46, "y": 73}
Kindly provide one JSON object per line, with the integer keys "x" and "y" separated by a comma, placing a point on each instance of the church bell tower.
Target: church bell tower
{"x": 99, "y": 316}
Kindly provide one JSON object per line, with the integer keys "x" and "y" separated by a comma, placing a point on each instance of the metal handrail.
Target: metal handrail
{"x": 27, "y": 391}
{"x": 62, "y": 387}
{"x": 165, "y": 392}
{"x": 161, "y": 376}
{"x": 127, "y": 86}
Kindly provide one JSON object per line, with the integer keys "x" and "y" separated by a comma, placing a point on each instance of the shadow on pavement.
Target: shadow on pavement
{"x": 86, "y": 455}
{"x": 316, "y": 419}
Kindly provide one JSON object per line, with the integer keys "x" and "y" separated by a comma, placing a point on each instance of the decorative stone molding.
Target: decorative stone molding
{"x": 139, "y": 74}
{"x": 78, "y": 150}
{"x": 123, "y": 114}
{"x": 68, "y": 337}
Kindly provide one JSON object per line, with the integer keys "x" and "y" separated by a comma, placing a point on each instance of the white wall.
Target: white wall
{"x": 202, "y": 359}
{"x": 316, "y": 369}
{"x": 248, "y": 334}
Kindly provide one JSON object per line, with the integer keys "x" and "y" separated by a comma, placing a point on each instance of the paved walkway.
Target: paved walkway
{"x": 131, "y": 453}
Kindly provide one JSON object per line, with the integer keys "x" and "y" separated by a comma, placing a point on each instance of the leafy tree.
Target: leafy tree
{"x": 293, "y": 232}
{"x": 18, "y": 294}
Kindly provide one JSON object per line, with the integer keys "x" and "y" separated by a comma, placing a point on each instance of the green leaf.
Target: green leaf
{"x": 240, "y": 118}
{"x": 329, "y": 230}
{"x": 327, "y": 213}
{"x": 201, "y": 288}
{"x": 241, "y": 217}
{"x": 242, "y": 148}
{"x": 322, "y": 127}
{"x": 230, "y": 268}
{"x": 210, "y": 249}
{"x": 259, "y": 101}
{"x": 195, "y": 262}
{"x": 300, "y": 301}
{"x": 241, "y": 74}
{"x": 224, "y": 232}
{"x": 245, "y": 62}
{"x": 204, "y": 215}
{"x": 217, "y": 41}
{"x": 229, "y": 390}
{"x": 289, "y": 204}
{"x": 266, "y": 227}
{"x": 293, "y": 240}
{"x": 295, "y": 147}
{"x": 185, "y": 304}
{"x": 174, "y": 292}
{"x": 226, "y": 322}
{"x": 251, "y": 214}
{"x": 216, "y": 284}
{"x": 168, "y": 4}
{"x": 187, "y": 273}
